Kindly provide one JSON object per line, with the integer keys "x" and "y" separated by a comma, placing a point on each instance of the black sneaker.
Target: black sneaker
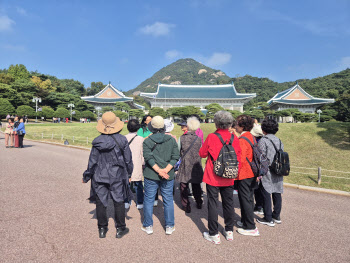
{"x": 277, "y": 220}
{"x": 265, "y": 222}
{"x": 102, "y": 232}
{"x": 122, "y": 232}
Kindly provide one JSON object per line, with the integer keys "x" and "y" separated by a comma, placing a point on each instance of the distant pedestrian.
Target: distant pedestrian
{"x": 8, "y": 116}
{"x": 110, "y": 165}
{"x": 15, "y": 135}
{"x": 144, "y": 132}
{"x": 136, "y": 147}
{"x": 216, "y": 184}
{"x": 271, "y": 184}
{"x": 161, "y": 154}
{"x": 9, "y": 133}
{"x": 20, "y": 131}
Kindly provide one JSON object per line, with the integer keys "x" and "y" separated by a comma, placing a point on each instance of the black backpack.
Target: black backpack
{"x": 280, "y": 164}
{"x": 226, "y": 165}
{"x": 260, "y": 163}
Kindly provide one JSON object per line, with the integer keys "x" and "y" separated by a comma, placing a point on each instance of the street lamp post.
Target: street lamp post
{"x": 71, "y": 105}
{"x": 319, "y": 115}
{"x": 36, "y": 100}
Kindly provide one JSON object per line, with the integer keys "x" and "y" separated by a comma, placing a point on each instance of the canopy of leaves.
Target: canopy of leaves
{"x": 156, "y": 111}
{"x": 6, "y": 108}
{"x": 121, "y": 115}
{"x": 26, "y": 110}
{"x": 62, "y": 113}
{"x": 18, "y": 71}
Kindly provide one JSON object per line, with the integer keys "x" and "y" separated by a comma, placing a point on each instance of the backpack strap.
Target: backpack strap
{"x": 155, "y": 145}
{"x": 189, "y": 148}
{"x": 221, "y": 139}
{"x": 132, "y": 139}
{"x": 274, "y": 146}
{"x": 121, "y": 149}
{"x": 246, "y": 139}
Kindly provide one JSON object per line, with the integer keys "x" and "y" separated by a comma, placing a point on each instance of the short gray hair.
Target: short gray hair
{"x": 223, "y": 119}
{"x": 193, "y": 124}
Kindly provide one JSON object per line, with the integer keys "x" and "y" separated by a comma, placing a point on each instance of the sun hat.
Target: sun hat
{"x": 109, "y": 123}
{"x": 169, "y": 126}
{"x": 257, "y": 131}
{"x": 183, "y": 123}
{"x": 156, "y": 124}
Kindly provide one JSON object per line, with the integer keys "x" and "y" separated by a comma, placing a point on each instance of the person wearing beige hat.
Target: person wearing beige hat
{"x": 160, "y": 153}
{"x": 109, "y": 168}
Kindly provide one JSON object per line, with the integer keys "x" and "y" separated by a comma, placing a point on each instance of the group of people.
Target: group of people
{"x": 58, "y": 120}
{"x": 148, "y": 156}
{"x": 84, "y": 120}
{"x": 14, "y": 132}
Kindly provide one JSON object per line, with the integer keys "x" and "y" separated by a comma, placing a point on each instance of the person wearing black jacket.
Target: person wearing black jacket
{"x": 109, "y": 168}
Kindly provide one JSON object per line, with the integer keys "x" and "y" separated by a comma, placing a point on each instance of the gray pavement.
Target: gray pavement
{"x": 45, "y": 217}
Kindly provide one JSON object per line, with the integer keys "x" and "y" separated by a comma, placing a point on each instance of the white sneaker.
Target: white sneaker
{"x": 147, "y": 229}
{"x": 169, "y": 230}
{"x": 228, "y": 235}
{"x": 244, "y": 232}
{"x": 139, "y": 207}
{"x": 235, "y": 192}
{"x": 155, "y": 203}
{"x": 214, "y": 239}
{"x": 239, "y": 224}
{"x": 127, "y": 205}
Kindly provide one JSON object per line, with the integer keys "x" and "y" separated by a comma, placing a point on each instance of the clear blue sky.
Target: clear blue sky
{"x": 126, "y": 42}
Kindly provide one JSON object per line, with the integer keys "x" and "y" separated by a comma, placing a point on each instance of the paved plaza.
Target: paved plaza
{"x": 45, "y": 217}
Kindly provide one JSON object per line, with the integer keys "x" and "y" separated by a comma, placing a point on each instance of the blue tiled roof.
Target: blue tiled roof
{"x": 280, "y": 94}
{"x": 197, "y": 92}
{"x": 301, "y": 102}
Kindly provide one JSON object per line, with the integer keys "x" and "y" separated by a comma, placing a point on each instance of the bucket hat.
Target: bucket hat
{"x": 156, "y": 124}
{"x": 109, "y": 123}
{"x": 256, "y": 131}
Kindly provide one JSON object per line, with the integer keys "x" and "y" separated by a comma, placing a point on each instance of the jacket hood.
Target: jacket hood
{"x": 103, "y": 143}
{"x": 160, "y": 137}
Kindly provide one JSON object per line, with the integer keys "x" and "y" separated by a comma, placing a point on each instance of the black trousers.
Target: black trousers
{"x": 101, "y": 213}
{"x": 197, "y": 193}
{"x": 246, "y": 200}
{"x": 277, "y": 204}
{"x": 20, "y": 140}
{"x": 259, "y": 198}
{"x": 226, "y": 193}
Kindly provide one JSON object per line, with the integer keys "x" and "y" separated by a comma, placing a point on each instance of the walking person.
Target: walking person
{"x": 271, "y": 184}
{"x": 9, "y": 133}
{"x": 190, "y": 170}
{"x": 144, "y": 132}
{"x": 15, "y": 135}
{"x": 161, "y": 153}
{"x": 247, "y": 182}
{"x": 109, "y": 167}
{"x": 136, "y": 147}
{"x": 216, "y": 184}
{"x": 20, "y": 131}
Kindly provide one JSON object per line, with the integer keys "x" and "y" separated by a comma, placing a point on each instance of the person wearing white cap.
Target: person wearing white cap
{"x": 161, "y": 153}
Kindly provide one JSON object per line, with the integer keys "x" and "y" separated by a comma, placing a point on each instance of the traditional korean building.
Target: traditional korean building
{"x": 168, "y": 96}
{"x": 296, "y": 98}
{"x": 109, "y": 96}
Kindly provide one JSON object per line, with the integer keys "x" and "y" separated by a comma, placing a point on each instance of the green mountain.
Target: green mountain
{"x": 183, "y": 71}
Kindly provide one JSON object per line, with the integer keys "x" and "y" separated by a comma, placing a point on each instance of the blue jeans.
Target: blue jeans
{"x": 138, "y": 186}
{"x": 166, "y": 190}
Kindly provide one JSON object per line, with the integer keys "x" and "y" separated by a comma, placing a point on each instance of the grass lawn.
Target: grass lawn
{"x": 310, "y": 145}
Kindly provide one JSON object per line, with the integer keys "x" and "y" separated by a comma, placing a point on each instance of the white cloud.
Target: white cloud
{"x": 21, "y": 11}
{"x": 6, "y": 23}
{"x": 171, "y": 54}
{"x": 157, "y": 29}
{"x": 218, "y": 59}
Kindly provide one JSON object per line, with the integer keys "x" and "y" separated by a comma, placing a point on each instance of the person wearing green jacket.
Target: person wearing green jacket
{"x": 144, "y": 132}
{"x": 161, "y": 153}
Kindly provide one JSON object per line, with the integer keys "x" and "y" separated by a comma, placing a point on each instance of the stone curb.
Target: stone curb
{"x": 317, "y": 189}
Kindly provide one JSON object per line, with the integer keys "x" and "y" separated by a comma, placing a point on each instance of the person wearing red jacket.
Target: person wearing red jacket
{"x": 246, "y": 179}
{"x": 216, "y": 184}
